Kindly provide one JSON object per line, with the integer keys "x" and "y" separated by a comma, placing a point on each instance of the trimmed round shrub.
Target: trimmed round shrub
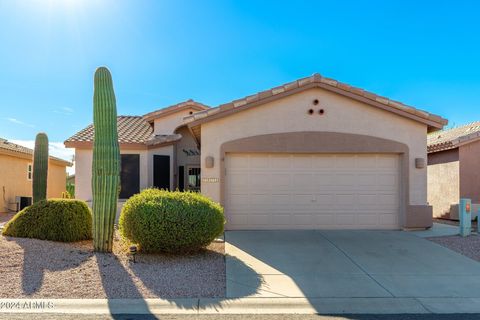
{"x": 163, "y": 221}
{"x": 65, "y": 220}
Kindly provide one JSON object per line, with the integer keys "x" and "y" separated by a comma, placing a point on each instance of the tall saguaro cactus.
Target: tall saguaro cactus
{"x": 106, "y": 161}
{"x": 40, "y": 168}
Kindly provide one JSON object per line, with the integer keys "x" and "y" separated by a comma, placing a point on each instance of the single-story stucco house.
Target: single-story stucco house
{"x": 16, "y": 165}
{"x": 311, "y": 154}
{"x": 454, "y": 169}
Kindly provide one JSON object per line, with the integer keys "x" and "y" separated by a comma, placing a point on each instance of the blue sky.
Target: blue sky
{"x": 423, "y": 53}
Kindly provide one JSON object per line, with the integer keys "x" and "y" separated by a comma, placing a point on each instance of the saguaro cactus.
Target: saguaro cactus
{"x": 40, "y": 168}
{"x": 106, "y": 161}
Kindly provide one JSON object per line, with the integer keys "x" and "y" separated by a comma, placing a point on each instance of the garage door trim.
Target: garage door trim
{"x": 320, "y": 142}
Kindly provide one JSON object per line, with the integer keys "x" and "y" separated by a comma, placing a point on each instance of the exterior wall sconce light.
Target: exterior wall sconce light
{"x": 419, "y": 163}
{"x": 209, "y": 162}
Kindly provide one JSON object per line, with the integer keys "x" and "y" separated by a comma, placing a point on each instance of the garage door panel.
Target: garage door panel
{"x": 389, "y": 181}
{"x": 348, "y": 179}
{"x": 304, "y": 219}
{"x": 239, "y": 161}
{"x": 239, "y": 201}
{"x": 388, "y": 219}
{"x": 265, "y": 191}
{"x": 258, "y": 162}
{"x": 324, "y": 200}
{"x": 325, "y": 219}
{"x": 280, "y": 162}
{"x": 282, "y": 220}
{"x": 387, "y": 162}
{"x": 259, "y": 219}
{"x": 281, "y": 200}
{"x": 345, "y": 219}
{"x": 323, "y": 162}
{"x": 323, "y": 179}
{"x": 280, "y": 182}
{"x": 345, "y": 201}
{"x": 301, "y": 162}
{"x": 303, "y": 181}
{"x": 365, "y": 162}
{"x": 367, "y": 219}
{"x": 344, "y": 162}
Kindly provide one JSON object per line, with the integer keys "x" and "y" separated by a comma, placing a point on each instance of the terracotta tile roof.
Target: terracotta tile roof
{"x": 452, "y": 138}
{"x": 12, "y": 147}
{"x": 131, "y": 129}
{"x": 6, "y": 145}
{"x": 175, "y": 108}
{"x": 317, "y": 80}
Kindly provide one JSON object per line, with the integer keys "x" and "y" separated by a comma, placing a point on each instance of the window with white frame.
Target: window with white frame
{"x": 29, "y": 172}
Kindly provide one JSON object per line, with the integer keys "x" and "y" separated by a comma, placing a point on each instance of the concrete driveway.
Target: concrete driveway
{"x": 345, "y": 264}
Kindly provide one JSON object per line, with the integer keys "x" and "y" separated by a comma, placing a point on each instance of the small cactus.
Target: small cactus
{"x": 40, "y": 168}
{"x": 106, "y": 161}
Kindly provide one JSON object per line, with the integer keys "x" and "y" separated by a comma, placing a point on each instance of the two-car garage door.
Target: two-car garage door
{"x": 312, "y": 191}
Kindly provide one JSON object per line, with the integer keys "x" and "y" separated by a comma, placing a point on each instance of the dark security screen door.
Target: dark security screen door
{"x": 181, "y": 178}
{"x": 161, "y": 172}
{"x": 129, "y": 175}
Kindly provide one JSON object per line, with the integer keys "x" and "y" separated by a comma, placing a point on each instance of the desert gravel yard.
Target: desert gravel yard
{"x": 44, "y": 269}
{"x": 468, "y": 246}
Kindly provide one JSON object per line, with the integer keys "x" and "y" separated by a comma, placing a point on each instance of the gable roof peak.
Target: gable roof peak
{"x": 433, "y": 122}
{"x": 190, "y": 103}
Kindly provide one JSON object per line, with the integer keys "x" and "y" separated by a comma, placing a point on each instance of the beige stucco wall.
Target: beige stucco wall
{"x": 168, "y": 124}
{"x": 470, "y": 171}
{"x": 83, "y": 171}
{"x": 83, "y": 168}
{"x": 443, "y": 187}
{"x": 341, "y": 115}
{"x": 13, "y": 179}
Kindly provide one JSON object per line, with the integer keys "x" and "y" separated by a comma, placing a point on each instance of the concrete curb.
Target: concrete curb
{"x": 243, "y": 306}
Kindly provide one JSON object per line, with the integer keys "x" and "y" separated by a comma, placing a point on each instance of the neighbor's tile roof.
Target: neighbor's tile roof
{"x": 10, "y": 146}
{"x": 131, "y": 129}
{"x": 13, "y": 147}
{"x": 317, "y": 80}
{"x": 452, "y": 138}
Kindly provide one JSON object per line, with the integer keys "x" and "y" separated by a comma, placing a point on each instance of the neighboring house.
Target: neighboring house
{"x": 71, "y": 179}
{"x": 16, "y": 165}
{"x": 311, "y": 154}
{"x": 454, "y": 169}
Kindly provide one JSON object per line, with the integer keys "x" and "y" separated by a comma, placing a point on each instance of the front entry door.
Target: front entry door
{"x": 129, "y": 175}
{"x": 193, "y": 179}
{"x": 161, "y": 172}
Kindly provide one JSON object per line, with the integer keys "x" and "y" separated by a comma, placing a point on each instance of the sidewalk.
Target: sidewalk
{"x": 244, "y": 306}
{"x": 437, "y": 230}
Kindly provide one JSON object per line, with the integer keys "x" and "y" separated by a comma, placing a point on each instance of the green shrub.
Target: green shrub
{"x": 164, "y": 221}
{"x": 64, "y": 220}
